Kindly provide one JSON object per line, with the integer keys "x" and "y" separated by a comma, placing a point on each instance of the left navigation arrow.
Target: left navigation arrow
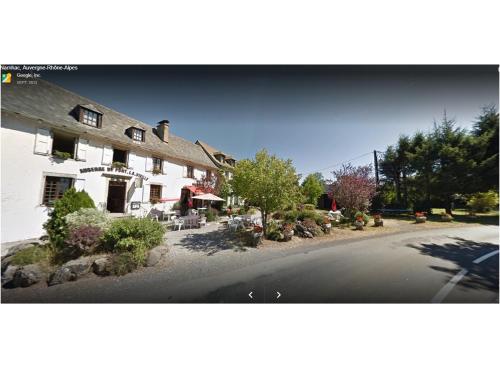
{"x": 250, "y": 295}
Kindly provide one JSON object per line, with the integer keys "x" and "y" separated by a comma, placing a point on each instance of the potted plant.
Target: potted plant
{"x": 359, "y": 223}
{"x": 379, "y": 222}
{"x": 156, "y": 171}
{"x": 61, "y": 155}
{"x": 420, "y": 217}
{"x": 446, "y": 217}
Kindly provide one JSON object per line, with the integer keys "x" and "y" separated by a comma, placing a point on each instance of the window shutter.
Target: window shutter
{"x": 107, "y": 155}
{"x": 164, "y": 167}
{"x": 79, "y": 184}
{"x": 149, "y": 164}
{"x": 81, "y": 152}
{"x": 145, "y": 193}
{"x": 42, "y": 141}
{"x": 131, "y": 160}
{"x": 184, "y": 171}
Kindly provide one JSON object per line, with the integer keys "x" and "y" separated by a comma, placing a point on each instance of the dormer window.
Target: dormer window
{"x": 90, "y": 116}
{"x": 136, "y": 134}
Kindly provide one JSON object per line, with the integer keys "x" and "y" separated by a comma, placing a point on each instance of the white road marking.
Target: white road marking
{"x": 484, "y": 257}
{"x": 445, "y": 290}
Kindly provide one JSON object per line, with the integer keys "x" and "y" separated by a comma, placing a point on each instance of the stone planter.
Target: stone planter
{"x": 327, "y": 228}
{"x": 359, "y": 225}
{"x": 446, "y": 218}
{"x": 420, "y": 219}
{"x": 379, "y": 222}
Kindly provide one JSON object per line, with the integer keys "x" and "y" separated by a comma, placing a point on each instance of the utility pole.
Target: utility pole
{"x": 375, "y": 160}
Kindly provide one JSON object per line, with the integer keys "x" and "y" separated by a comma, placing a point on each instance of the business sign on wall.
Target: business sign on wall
{"x": 113, "y": 169}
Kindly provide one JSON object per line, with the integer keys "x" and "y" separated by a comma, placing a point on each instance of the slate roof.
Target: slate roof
{"x": 55, "y": 105}
{"x": 212, "y": 152}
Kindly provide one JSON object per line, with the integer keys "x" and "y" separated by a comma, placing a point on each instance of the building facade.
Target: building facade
{"x": 226, "y": 164}
{"x": 53, "y": 139}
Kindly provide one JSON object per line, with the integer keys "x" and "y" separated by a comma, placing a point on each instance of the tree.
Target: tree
{"x": 266, "y": 182}
{"x": 312, "y": 188}
{"x": 485, "y": 149}
{"x": 353, "y": 188}
{"x": 209, "y": 183}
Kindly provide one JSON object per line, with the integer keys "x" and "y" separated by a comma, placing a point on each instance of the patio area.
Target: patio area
{"x": 209, "y": 239}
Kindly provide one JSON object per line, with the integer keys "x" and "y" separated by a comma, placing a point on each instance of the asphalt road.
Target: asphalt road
{"x": 453, "y": 265}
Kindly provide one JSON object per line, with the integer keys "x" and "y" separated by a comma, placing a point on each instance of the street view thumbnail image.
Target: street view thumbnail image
{"x": 249, "y": 184}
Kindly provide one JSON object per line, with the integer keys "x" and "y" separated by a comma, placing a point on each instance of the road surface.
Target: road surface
{"x": 452, "y": 265}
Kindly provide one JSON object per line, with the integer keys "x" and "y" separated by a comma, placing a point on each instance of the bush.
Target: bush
{"x": 312, "y": 227}
{"x": 278, "y": 215}
{"x": 83, "y": 239}
{"x": 30, "y": 255}
{"x": 309, "y": 206}
{"x": 362, "y": 216}
{"x": 124, "y": 263}
{"x": 176, "y": 206}
{"x": 273, "y": 231}
{"x": 312, "y": 215}
{"x": 87, "y": 217}
{"x": 251, "y": 211}
{"x": 291, "y": 216}
{"x": 483, "y": 202}
{"x": 149, "y": 232}
{"x": 133, "y": 236}
{"x": 71, "y": 201}
{"x": 210, "y": 215}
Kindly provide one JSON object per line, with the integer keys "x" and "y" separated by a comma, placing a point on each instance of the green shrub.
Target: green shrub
{"x": 278, "y": 215}
{"x": 124, "y": 263}
{"x": 30, "y": 255}
{"x": 363, "y": 216}
{"x": 252, "y": 211}
{"x": 308, "y": 214}
{"x": 134, "y": 237}
{"x": 291, "y": 216}
{"x": 149, "y": 232}
{"x": 71, "y": 201}
{"x": 483, "y": 202}
{"x": 309, "y": 206}
{"x": 176, "y": 206}
{"x": 210, "y": 215}
{"x": 87, "y": 217}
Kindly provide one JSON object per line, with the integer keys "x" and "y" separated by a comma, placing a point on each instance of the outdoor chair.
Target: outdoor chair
{"x": 178, "y": 223}
{"x": 203, "y": 222}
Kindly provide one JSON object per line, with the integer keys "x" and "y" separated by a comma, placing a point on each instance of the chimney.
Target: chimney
{"x": 163, "y": 128}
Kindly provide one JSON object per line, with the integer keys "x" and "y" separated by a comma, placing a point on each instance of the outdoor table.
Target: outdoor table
{"x": 168, "y": 214}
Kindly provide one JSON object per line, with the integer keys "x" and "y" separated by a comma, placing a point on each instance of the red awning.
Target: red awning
{"x": 193, "y": 189}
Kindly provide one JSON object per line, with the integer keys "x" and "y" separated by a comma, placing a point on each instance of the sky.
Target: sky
{"x": 318, "y": 116}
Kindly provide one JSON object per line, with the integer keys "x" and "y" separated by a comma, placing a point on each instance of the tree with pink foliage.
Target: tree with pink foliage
{"x": 353, "y": 188}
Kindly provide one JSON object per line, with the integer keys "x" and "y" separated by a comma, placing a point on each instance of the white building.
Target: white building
{"x": 226, "y": 164}
{"x": 53, "y": 139}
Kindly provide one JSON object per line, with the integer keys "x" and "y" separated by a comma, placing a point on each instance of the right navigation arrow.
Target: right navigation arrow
{"x": 278, "y": 294}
